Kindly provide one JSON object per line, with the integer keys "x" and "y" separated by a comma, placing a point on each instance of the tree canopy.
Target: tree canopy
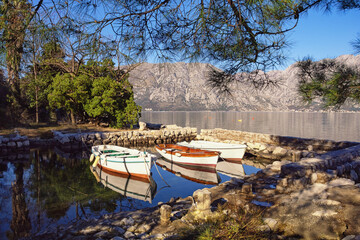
{"x": 333, "y": 82}
{"x": 54, "y": 63}
{"x": 237, "y": 35}
{"x": 245, "y": 35}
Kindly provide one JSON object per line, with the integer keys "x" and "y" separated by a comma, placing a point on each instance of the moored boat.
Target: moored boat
{"x": 126, "y": 185}
{"x": 190, "y": 156}
{"x": 229, "y": 152}
{"x": 122, "y": 160}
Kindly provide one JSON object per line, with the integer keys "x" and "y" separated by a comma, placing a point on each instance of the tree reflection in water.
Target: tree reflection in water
{"x": 59, "y": 183}
{"x": 20, "y": 223}
{"x": 49, "y": 189}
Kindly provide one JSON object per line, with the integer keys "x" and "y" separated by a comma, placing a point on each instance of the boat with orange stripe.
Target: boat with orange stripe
{"x": 190, "y": 156}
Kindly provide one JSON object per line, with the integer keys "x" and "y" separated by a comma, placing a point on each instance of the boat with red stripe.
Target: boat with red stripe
{"x": 190, "y": 156}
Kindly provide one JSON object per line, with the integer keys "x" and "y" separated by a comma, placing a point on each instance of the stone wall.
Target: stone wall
{"x": 12, "y": 143}
{"x": 342, "y": 163}
{"x": 168, "y": 134}
{"x": 274, "y": 147}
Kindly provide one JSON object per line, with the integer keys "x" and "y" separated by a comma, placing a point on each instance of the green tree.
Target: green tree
{"x": 331, "y": 81}
{"x": 70, "y": 93}
{"x": 16, "y": 16}
{"x": 111, "y": 98}
{"x": 37, "y": 81}
{"x": 98, "y": 91}
{"x": 130, "y": 115}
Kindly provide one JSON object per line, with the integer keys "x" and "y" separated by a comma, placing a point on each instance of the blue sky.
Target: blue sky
{"x": 324, "y": 35}
{"x": 320, "y": 35}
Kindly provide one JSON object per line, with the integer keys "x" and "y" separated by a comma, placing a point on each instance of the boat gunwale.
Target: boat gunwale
{"x": 213, "y": 145}
{"x": 173, "y": 149}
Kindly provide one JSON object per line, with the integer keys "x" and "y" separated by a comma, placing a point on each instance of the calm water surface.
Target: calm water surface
{"x": 43, "y": 188}
{"x": 333, "y": 125}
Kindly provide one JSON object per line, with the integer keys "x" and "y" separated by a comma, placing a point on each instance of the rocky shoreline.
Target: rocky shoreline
{"x": 311, "y": 189}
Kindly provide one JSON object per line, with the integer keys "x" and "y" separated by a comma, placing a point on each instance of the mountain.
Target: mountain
{"x": 182, "y": 86}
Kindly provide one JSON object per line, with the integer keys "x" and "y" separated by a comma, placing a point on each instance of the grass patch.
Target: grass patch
{"x": 232, "y": 223}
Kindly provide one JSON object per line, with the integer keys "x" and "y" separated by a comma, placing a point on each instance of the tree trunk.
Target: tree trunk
{"x": 36, "y": 93}
{"x": 72, "y": 116}
{"x": 36, "y": 105}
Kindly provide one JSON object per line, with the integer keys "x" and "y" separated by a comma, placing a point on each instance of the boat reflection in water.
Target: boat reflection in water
{"x": 231, "y": 169}
{"x": 128, "y": 186}
{"x": 203, "y": 175}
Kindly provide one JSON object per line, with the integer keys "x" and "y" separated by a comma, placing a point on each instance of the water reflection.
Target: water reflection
{"x": 231, "y": 169}
{"x": 47, "y": 187}
{"x": 20, "y": 222}
{"x": 126, "y": 185}
{"x": 201, "y": 175}
{"x": 333, "y": 125}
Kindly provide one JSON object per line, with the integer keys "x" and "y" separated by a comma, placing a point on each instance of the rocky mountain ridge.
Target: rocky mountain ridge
{"x": 182, "y": 86}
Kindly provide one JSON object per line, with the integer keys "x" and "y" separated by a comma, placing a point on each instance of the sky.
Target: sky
{"x": 323, "y": 35}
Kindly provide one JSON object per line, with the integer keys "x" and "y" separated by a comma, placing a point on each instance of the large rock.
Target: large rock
{"x": 321, "y": 211}
{"x": 279, "y": 151}
{"x": 295, "y": 170}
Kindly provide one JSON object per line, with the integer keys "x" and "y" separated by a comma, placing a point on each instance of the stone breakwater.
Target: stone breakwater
{"x": 168, "y": 134}
{"x": 274, "y": 147}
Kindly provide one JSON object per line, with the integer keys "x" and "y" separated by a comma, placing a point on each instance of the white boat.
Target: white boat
{"x": 190, "y": 156}
{"x": 127, "y": 185}
{"x": 122, "y": 160}
{"x": 192, "y": 173}
{"x": 229, "y": 152}
{"x": 231, "y": 169}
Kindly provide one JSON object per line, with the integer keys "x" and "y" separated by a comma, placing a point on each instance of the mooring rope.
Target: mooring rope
{"x": 160, "y": 174}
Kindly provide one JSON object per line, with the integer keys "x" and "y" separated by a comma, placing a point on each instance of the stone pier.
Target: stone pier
{"x": 168, "y": 134}
{"x": 273, "y": 147}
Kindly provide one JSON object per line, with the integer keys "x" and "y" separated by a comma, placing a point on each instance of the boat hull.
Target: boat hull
{"x": 123, "y": 160}
{"x": 229, "y": 152}
{"x": 188, "y": 156}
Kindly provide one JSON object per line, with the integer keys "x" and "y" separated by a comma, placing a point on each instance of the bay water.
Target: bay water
{"x": 337, "y": 126}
